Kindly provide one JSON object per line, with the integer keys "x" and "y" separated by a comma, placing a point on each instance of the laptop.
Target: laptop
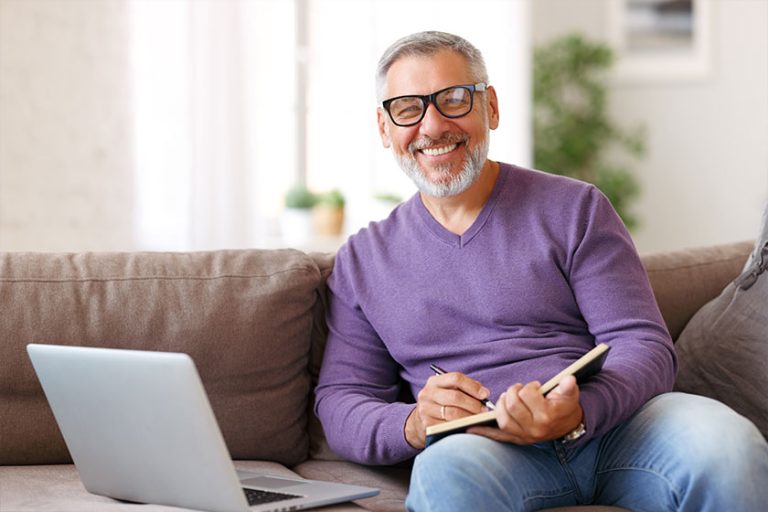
{"x": 140, "y": 428}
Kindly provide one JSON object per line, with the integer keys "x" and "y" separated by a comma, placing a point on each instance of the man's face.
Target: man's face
{"x": 442, "y": 156}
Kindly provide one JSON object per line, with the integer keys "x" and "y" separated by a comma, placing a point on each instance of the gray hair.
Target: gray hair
{"x": 426, "y": 44}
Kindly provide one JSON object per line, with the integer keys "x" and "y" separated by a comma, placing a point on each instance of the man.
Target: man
{"x": 505, "y": 276}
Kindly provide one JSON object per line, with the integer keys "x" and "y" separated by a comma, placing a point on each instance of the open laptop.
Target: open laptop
{"x": 140, "y": 428}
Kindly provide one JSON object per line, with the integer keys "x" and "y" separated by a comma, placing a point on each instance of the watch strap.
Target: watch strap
{"x": 574, "y": 434}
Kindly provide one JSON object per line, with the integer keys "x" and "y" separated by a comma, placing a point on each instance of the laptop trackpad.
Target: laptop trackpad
{"x": 265, "y": 482}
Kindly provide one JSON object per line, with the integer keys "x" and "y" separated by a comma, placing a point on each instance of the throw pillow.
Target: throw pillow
{"x": 723, "y": 350}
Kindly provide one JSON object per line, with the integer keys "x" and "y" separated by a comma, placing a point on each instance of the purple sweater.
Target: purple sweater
{"x": 546, "y": 271}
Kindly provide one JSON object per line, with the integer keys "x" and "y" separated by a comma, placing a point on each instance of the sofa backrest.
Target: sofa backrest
{"x": 245, "y": 317}
{"x": 253, "y": 321}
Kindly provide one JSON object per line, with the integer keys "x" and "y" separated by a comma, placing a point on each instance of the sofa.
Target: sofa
{"x": 253, "y": 322}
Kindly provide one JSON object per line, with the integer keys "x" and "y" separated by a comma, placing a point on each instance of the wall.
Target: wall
{"x": 65, "y": 145}
{"x": 705, "y": 175}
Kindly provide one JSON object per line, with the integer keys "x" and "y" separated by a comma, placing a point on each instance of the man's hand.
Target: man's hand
{"x": 526, "y": 417}
{"x": 444, "y": 397}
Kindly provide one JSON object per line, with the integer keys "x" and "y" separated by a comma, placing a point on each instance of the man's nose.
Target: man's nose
{"x": 434, "y": 124}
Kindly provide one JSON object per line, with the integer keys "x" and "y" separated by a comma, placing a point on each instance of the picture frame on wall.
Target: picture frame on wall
{"x": 661, "y": 40}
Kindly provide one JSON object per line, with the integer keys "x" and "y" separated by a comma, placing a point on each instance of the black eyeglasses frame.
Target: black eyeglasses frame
{"x": 426, "y": 99}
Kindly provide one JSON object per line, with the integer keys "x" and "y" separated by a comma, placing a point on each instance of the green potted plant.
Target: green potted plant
{"x": 300, "y": 198}
{"x": 572, "y": 132}
{"x": 328, "y": 213}
{"x": 296, "y": 220}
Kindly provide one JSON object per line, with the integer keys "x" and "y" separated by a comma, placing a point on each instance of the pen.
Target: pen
{"x": 440, "y": 371}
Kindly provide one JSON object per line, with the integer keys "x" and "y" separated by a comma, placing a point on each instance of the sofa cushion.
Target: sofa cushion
{"x": 723, "y": 350}
{"x": 684, "y": 280}
{"x": 58, "y": 488}
{"x": 244, "y": 317}
{"x": 392, "y": 481}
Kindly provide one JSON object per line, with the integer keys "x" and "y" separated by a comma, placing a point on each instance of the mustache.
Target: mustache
{"x": 445, "y": 139}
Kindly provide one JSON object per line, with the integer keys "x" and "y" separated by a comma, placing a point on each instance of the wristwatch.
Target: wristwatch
{"x": 574, "y": 434}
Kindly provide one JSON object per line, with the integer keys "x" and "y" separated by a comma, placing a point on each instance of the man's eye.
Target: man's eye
{"x": 454, "y": 98}
{"x": 408, "y": 111}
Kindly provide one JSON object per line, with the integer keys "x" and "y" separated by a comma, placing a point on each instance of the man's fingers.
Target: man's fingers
{"x": 457, "y": 403}
{"x": 460, "y": 395}
{"x": 516, "y": 401}
{"x": 567, "y": 388}
{"x": 457, "y": 380}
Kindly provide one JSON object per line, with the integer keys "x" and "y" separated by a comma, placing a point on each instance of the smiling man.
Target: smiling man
{"x": 504, "y": 276}
{"x": 443, "y": 149}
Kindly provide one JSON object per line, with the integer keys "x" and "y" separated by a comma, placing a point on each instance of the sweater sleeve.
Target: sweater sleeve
{"x": 356, "y": 398}
{"x": 614, "y": 295}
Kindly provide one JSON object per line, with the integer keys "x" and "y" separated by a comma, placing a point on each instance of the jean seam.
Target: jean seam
{"x": 564, "y": 455}
{"x": 553, "y": 494}
{"x": 676, "y": 493}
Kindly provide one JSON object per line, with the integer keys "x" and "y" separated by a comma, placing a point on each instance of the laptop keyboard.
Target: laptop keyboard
{"x": 257, "y": 497}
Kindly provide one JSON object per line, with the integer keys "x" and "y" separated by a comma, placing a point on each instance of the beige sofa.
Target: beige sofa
{"x": 253, "y": 323}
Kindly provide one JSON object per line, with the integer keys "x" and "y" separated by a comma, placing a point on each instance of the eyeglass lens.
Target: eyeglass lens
{"x": 453, "y": 102}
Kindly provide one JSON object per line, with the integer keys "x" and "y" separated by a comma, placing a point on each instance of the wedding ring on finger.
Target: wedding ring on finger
{"x": 442, "y": 412}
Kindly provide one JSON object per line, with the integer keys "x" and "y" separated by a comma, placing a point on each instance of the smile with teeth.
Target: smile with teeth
{"x": 439, "y": 151}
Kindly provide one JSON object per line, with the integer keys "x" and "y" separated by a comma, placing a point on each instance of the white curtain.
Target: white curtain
{"x": 213, "y": 120}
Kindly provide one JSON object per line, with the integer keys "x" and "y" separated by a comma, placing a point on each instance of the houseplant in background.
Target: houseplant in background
{"x": 296, "y": 220}
{"x": 328, "y": 213}
{"x": 572, "y": 131}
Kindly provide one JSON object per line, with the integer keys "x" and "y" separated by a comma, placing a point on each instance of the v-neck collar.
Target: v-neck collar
{"x": 459, "y": 241}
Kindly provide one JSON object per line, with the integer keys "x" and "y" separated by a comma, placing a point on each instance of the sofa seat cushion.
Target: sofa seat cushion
{"x": 245, "y": 318}
{"x": 57, "y": 488}
{"x": 392, "y": 481}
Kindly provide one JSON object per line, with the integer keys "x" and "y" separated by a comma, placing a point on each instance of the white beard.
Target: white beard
{"x": 450, "y": 185}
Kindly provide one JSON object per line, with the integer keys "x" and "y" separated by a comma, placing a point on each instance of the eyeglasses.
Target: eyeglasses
{"x": 452, "y": 102}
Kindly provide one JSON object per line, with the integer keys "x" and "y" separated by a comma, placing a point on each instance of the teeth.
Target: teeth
{"x": 439, "y": 151}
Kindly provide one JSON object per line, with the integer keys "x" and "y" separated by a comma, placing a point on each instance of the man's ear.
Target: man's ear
{"x": 381, "y": 118}
{"x": 493, "y": 108}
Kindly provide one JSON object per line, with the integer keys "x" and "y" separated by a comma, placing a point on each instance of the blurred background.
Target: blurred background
{"x": 209, "y": 124}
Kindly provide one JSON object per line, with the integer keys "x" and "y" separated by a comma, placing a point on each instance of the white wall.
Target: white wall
{"x": 705, "y": 175}
{"x": 65, "y": 130}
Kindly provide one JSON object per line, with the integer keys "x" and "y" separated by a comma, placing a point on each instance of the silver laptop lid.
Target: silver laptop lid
{"x": 139, "y": 426}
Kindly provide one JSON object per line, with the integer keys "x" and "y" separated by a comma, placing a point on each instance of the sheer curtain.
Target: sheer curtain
{"x": 236, "y": 100}
{"x": 214, "y": 120}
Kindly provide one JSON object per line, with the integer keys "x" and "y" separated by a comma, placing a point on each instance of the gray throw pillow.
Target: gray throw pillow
{"x": 723, "y": 351}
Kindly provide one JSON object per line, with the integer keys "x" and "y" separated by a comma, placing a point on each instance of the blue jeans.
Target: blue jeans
{"x": 678, "y": 452}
